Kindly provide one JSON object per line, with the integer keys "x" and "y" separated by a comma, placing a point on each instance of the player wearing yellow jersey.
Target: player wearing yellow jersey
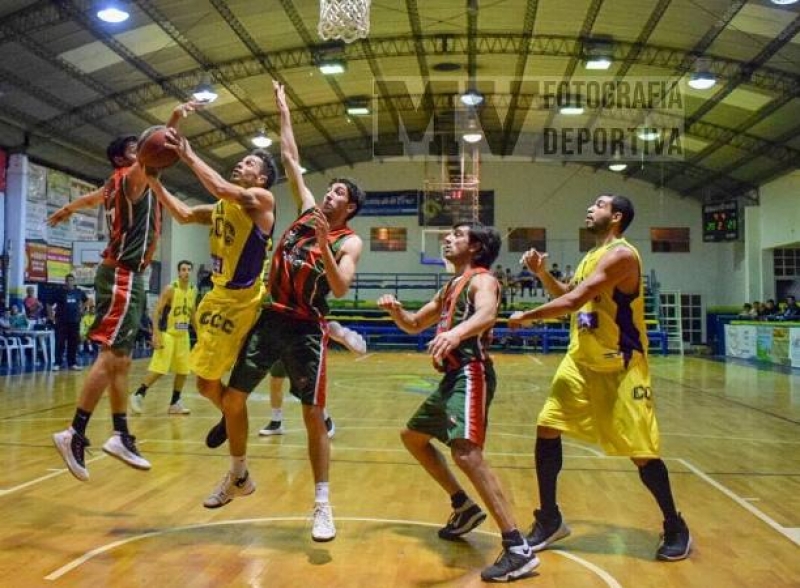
{"x": 241, "y": 228}
{"x": 601, "y": 391}
{"x": 173, "y": 315}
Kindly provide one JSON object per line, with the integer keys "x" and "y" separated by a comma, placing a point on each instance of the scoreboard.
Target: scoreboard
{"x": 721, "y": 221}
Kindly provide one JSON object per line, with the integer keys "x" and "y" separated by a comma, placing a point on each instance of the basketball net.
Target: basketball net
{"x": 347, "y": 20}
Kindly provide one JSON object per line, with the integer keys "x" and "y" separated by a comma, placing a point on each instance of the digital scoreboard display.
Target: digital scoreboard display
{"x": 721, "y": 221}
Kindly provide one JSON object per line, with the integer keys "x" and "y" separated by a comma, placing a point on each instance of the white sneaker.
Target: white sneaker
{"x": 56, "y": 368}
{"x": 330, "y": 427}
{"x": 71, "y": 446}
{"x": 272, "y": 428}
{"x": 75, "y": 367}
{"x": 135, "y": 403}
{"x": 178, "y": 408}
{"x": 123, "y": 447}
{"x": 348, "y": 337}
{"x": 228, "y": 489}
{"x": 323, "y": 528}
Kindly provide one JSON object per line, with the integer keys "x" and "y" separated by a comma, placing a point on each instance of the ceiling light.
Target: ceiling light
{"x": 261, "y": 140}
{"x": 647, "y": 133}
{"x": 358, "y": 106}
{"x": 618, "y": 166}
{"x": 598, "y": 63}
{"x": 598, "y": 54}
{"x": 473, "y": 133}
{"x": 204, "y": 92}
{"x": 783, "y": 2}
{"x": 471, "y": 98}
{"x": 702, "y": 78}
{"x": 331, "y": 67}
{"x": 112, "y": 12}
{"x": 570, "y": 110}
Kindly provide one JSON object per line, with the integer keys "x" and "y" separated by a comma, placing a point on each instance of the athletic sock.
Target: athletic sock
{"x": 322, "y": 492}
{"x": 458, "y": 499}
{"x": 549, "y": 459}
{"x": 512, "y": 537}
{"x": 120, "y": 421}
{"x": 277, "y": 414}
{"x": 238, "y": 466}
{"x": 142, "y": 391}
{"x": 80, "y": 420}
{"x": 655, "y": 476}
{"x": 176, "y": 396}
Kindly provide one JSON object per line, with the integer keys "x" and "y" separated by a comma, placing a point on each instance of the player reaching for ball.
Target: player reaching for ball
{"x": 242, "y": 222}
{"x": 133, "y": 215}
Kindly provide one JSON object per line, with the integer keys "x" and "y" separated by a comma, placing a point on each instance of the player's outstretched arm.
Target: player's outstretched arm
{"x": 290, "y": 155}
{"x": 178, "y": 209}
{"x": 90, "y": 200}
{"x": 411, "y": 322}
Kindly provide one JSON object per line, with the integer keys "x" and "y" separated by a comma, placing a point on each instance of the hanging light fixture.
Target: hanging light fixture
{"x": 204, "y": 92}
{"x": 261, "y": 140}
{"x": 616, "y": 164}
{"x": 471, "y": 97}
{"x": 472, "y": 134}
{"x": 702, "y": 78}
{"x": 357, "y": 106}
{"x": 113, "y": 12}
{"x": 598, "y": 54}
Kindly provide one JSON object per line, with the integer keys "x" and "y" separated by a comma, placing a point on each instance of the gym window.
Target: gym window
{"x": 669, "y": 239}
{"x": 388, "y": 239}
{"x": 521, "y": 239}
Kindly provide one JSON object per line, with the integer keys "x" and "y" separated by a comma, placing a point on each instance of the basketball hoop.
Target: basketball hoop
{"x": 347, "y": 20}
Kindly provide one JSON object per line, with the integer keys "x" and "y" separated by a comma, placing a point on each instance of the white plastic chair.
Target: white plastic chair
{"x": 27, "y": 344}
{"x": 11, "y": 344}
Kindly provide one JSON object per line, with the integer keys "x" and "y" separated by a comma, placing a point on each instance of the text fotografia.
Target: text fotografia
{"x": 582, "y": 119}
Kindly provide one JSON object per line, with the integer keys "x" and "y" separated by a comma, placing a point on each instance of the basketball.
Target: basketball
{"x": 151, "y": 150}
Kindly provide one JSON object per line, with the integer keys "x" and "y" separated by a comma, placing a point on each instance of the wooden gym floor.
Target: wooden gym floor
{"x": 730, "y": 436}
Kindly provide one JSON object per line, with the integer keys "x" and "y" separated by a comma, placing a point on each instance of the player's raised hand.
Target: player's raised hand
{"x": 389, "y": 302}
{"x": 534, "y": 260}
{"x": 280, "y": 95}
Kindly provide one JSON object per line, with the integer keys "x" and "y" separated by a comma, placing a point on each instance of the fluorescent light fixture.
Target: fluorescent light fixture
{"x": 570, "y": 110}
{"x": 204, "y": 92}
{"x": 358, "y": 106}
{"x": 261, "y": 140}
{"x": 598, "y": 63}
{"x": 471, "y": 98}
{"x": 647, "y": 133}
{"x": 113, "y": 12}
{"x": 332, "y": 67}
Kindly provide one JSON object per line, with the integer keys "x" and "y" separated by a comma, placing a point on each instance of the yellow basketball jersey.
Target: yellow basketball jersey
{"x": 238, "y": 247}
{"x": 608, "y": 330}
{"x": 181, "y": 308}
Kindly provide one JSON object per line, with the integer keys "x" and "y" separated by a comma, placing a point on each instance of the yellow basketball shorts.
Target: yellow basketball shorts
{"x": 223, "y": 320}
{"x": 173, "y": 357}
{"x": 612, "y": 409}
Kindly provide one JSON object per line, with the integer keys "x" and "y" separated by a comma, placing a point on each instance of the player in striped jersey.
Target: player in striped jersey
{"x": 457, "y": 412}
{"x": 317, "y": 255}
{"x": 133, "y": 215}
{"x": 601, "y": 391}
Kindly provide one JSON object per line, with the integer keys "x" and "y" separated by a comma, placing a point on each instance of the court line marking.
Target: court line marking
{"x": 785, "y": 531}
{"x": 75, "y": 563}
{"x": 53, "y": 474}
{"x": 363, "y": 357}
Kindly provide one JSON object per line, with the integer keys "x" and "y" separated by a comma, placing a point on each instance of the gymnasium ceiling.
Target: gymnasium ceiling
{"x": 70, "y": 83}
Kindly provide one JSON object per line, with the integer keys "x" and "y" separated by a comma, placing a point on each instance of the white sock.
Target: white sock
{"x": 322, "y": 492}
{"x": 277, "y": 414}
{"x": 238, "y": 466}
{"x": 325, "y": 415}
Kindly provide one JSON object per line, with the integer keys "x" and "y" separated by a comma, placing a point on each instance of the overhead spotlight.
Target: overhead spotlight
{"x": 647, "y": 133}
{"x": 702, "y": 78}
{"x": 598, "y": 54}
{"x": 261, "y": 140}
{"x": 472, "y": 134}
{"x": 783, "y": 2}
{"x": 616, "y": 164}
{"x": 112, "y": 12}
{"x": 332, "y": 67}
{"x": 204, "y": 92}
{"x": 471, "y": 97}
{"x": 358, "y": 106}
